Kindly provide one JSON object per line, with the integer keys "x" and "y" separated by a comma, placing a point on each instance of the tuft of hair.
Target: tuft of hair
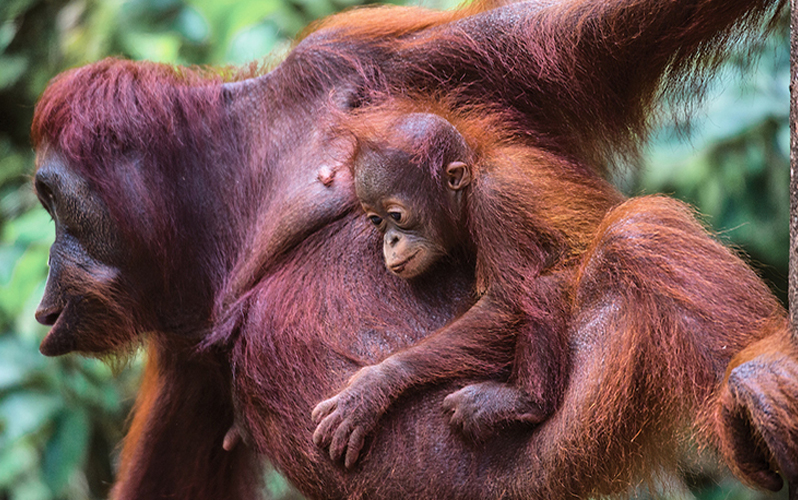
{"x": 482, "y": 126}
{"x": 115, "y": 106}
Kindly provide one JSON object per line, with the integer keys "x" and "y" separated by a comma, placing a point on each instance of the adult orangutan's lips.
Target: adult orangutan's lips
{"x": 61, "y": 338}
{"x": 398, "y": 268}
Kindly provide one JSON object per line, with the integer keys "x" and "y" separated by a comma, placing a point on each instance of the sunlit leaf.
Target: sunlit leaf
{"x": 28, "y": 330}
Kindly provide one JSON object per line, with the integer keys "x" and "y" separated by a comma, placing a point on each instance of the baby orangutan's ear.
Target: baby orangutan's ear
{"x": 458, "y": 175}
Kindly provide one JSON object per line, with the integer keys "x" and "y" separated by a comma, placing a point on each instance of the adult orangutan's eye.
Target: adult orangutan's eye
{"x": 45, "y": 196}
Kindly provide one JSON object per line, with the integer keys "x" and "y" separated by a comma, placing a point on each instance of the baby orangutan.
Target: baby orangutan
{"x": 418, "y": 208}
{"x": 432, "y": 196}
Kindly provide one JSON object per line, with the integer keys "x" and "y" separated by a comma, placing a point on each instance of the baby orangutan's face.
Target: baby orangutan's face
{"x": 409, "y": 247}
{"x": 415, "y": 198}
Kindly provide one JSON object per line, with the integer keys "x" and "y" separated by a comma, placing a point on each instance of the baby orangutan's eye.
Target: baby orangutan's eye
{"x": 376, "y": 220}
{"x": 395, "y": 216}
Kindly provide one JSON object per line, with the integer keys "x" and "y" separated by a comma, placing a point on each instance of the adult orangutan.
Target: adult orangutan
{"x": 217, "y": 222}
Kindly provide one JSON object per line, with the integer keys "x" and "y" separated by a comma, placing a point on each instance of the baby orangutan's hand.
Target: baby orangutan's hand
{"x": 346, "y": 419}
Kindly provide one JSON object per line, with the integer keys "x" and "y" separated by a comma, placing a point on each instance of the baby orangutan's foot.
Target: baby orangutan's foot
{"x": 477, "y": 409}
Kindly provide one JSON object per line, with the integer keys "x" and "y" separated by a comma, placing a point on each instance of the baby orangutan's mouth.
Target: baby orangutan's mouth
{"x": 398, "y": 268}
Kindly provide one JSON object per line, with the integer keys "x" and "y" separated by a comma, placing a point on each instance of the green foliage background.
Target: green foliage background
{"x": 61, "y": 419}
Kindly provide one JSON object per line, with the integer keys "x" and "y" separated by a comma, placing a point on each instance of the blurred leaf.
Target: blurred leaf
{"x": 10, "y": 9}
{"x": 17, "y": 363}
{"x": 15, "y": 460}
{"x": 30, "y": 488}
{"x": 153, "y": 47}
{"x": 36, "y": 226}
{"x": 23, "y": 413}
{"x": 13, "y": 68}
{"x": 27, "y": 329}
{"x": 7, "y": 31}
{"x": 317, "y": 8}
{"x": 13, "y": 163}
{"x": 66, "y": 451}
{"x": 276, "y": 484}
{"x": 29, "y": 271}
{"x": 192, "y": 25}
{"x": 155, "y": 15}
{"x": 8, "y": 258}
{"x": 253, "y": 43}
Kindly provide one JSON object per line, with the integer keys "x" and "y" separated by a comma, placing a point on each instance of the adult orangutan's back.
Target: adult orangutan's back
{"x": 220, "y": 218}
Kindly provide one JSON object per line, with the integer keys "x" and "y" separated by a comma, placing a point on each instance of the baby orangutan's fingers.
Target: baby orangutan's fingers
{"x": 340, "y": 439}
{"x": 323, "y": 409}
{"x": 324, "y": 432}
{"x": 356, "y": 441}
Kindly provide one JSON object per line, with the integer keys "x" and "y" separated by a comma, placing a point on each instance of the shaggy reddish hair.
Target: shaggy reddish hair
{"x": 269, "y": 291}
